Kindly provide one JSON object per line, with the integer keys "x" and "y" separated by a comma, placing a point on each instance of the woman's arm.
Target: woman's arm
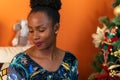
{"x": 16, "y": 73}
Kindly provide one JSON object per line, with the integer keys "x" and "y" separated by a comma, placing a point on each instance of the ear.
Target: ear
{"x": 56, "y": 27}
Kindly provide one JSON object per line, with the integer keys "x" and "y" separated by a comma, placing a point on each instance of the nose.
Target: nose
{"x": 36, "y": 35}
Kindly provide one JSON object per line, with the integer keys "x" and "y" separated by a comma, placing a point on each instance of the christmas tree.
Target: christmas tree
{"x": 107, "y": 39}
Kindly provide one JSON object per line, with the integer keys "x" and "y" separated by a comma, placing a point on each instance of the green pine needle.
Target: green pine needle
{"x": 116, "y": 45}
{"x": 98, "y": 61}
{"x": 104, "y": 20}
{"x": 116, "y": 20}
{"x": 116, "y": 3}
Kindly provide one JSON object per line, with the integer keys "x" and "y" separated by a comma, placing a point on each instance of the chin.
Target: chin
{"x": 41, "y": 47}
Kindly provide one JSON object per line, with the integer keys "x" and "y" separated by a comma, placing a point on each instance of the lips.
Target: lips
{"x": 38, "y": 44}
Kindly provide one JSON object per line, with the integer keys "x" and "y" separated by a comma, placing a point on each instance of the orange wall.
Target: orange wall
{"x": 79, "y": 19}
{"x": 10, "y": 12}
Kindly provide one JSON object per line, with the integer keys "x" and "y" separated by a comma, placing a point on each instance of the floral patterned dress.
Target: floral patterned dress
{"x": 23, "y": 67}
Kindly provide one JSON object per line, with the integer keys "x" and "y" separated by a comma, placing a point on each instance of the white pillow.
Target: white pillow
{"x": 7, "y": 53}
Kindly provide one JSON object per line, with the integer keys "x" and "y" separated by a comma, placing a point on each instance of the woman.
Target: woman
{"x": 43, "y": 61}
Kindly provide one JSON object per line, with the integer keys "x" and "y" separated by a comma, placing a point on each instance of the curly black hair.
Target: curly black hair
{"x": 50, "y": 7}
{"x": 55, "y": 4}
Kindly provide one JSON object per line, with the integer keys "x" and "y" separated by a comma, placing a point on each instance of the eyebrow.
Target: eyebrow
{"x": 36, "y": 26}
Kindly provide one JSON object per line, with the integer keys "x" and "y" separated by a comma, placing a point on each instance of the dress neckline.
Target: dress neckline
{"x": 63, "y": 60}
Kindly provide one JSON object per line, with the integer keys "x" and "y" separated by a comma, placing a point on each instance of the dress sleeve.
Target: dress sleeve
{"x": 16, "y": 73}
{"x": 74, "y": 70}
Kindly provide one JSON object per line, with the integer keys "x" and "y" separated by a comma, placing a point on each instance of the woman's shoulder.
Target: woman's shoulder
{"x": 26, "y": 52}
{"x": 21, "y": 54}
{"x": 19, "y": 57}
{"x": 69, "y": 57}
{"x": 70, "y": 60}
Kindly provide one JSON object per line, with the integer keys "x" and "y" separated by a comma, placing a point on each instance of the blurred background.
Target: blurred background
{"x": 79, "y": 20}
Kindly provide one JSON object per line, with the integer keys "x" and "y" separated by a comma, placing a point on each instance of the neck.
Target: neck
{"x": 48, "y": 53}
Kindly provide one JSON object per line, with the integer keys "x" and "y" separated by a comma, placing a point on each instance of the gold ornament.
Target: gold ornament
{"x": 111, "y": 49}
{"x": 117, "y": 11}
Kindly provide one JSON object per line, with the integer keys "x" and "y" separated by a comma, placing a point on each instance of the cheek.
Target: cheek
{"x": 49, "y": 36}
{"x": 30, "y": 36}
{"x": 30, "y": 39}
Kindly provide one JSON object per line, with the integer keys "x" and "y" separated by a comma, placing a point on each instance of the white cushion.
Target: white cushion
{"x": 7, "y": 53}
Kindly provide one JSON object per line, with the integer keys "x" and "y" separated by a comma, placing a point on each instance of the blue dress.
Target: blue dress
{"x": 23, "y": 67}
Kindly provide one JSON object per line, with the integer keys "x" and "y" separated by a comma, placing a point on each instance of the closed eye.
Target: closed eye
{"x": 41, "y": 30}
{"x": 31, "y": 31}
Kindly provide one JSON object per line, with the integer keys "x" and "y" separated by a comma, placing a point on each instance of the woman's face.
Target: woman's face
{"x": 41, "y": 30}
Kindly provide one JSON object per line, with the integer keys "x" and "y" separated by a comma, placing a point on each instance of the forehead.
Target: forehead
{"x": 37, "y": 18}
